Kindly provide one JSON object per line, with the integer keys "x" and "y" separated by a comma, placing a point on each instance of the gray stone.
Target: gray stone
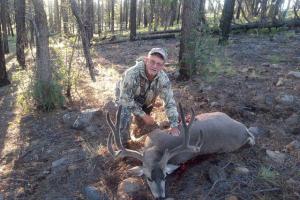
{"x": 269, "y": 100}
{"x": 286, "y": 99}
{"x": 59, "y": 162}
{"x": 275, "y": 66}
{"x": 214, "y": 104}
{"x": 129, "y": 187}
{"x": 293, "y": 120}
{"x": 84, "y": 119}
{"x": 92, "y": 193}
{"x": 276, "y": 156}
{"x": 293, "y": 74}
{"x": 242, "y": 170}
{"x": 279, "y": 82}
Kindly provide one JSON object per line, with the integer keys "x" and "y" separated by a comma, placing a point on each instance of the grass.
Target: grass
{"x": 268, "y": 174}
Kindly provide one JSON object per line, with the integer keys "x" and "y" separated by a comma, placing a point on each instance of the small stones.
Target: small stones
{"x": 280, "y": 82}
{"x": 93, "y": 194}
{"x": 130, "y": 187}
{"x": 276, "y": 156}
{"x": 293, "y": 74}
{"x": 242, "y": 170}
{"x": 59, "y": 162}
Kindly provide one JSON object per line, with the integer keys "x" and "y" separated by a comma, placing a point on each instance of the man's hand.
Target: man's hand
{"x": 175, "y": 131}
{"x": 148, "y": 120}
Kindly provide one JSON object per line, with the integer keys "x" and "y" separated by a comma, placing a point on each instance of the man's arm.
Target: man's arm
{"x": 166, "y": 95}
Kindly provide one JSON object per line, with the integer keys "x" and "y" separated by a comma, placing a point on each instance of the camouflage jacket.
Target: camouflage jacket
{"x": 130, "y": 88}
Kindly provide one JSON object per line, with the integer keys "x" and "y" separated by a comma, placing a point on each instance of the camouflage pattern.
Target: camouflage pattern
{"x": 130, "y": 87}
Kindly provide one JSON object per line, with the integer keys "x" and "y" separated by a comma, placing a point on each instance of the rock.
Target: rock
{"x": 242, "y": 170}
{"x": 92, "y": 193}
{"x": 269, "y": 100}
{"x": 293, "y": 74}
{"x": 266, "y": 64}
{"x": 286, "y": 99}
{"x": 214, "y": 104}
{"x": 294, "y": 145}
{"x": 275, "y": 66}
{"x": 59, "y": 162}
{"x": 276, "y": 156}
{"x": 216, "y": 173}
{"x": 84, "y": 119}
{"x": 292, "y": 183}
{"x": 231, "y": 197}
{"x": 293, "y": 124}
{"x": 279, "y": 82}
{"x": 130, "y": 187}
{"x": 256, "y": 131}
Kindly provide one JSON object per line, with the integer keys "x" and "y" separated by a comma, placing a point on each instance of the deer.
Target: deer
{"x": 162, "y": 154}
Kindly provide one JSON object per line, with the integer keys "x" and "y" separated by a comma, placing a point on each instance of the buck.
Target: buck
{"x": 162, "y": 153}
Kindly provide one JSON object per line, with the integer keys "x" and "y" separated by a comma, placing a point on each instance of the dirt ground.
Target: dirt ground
{"x": 41, "y": 157}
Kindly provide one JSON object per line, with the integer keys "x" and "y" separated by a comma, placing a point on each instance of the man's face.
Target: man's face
{"x": 154, "y": 64}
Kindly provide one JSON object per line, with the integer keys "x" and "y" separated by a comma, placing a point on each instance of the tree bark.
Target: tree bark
{"x": 64, "y": 12}
{"x": 50, "y": 11}
{"x": 57, "y": 23}
{"x": 89, "y": 19}
{"x": 145, "y": 13}
{"x": 4, "y": 25}
{"x": 112, "y": 29}
{"x": 21, "y": 31}
{"x": 3, "y": 74}
{"x": 85, "y": 42}
{"x": 225, "y": 21}
{"x": 189, "y": 32}
{"x": 132, "y": 20}
{"x": 43, "y": 68}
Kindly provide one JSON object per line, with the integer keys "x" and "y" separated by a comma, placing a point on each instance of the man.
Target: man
{"x": 139, "y": 88}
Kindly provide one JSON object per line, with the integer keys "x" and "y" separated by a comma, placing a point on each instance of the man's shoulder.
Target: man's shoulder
{"x": 163, "y": 77}
{"x": 134, "y": 70}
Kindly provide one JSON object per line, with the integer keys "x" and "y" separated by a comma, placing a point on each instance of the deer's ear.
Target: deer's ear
{"x": 136, "y": 171}
{"x": 171, "y": 168}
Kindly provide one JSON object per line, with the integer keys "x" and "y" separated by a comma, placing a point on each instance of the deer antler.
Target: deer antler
{"x": 184, "y": 147}
{"x": 115, "y": 129}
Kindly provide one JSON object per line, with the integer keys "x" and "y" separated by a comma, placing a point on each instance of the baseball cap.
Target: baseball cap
{"x": 161, "y": 51}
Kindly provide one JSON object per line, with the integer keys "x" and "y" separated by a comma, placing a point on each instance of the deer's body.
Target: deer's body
{"x": 221, "y": 134}
{"x": 206, "y": 134}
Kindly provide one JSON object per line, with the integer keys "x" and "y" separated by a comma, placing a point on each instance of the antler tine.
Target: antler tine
{"x": 122, "y": 152}
{"x": 184, "y": 147}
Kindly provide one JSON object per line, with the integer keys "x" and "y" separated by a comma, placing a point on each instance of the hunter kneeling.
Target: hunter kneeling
{"x": 139, "y": 88}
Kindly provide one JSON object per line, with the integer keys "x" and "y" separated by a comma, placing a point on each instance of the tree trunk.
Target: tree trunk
{"x": 225, "y": 21}
{"x": 65, "y": 18}
{"x": 4, "y": 26}
{"x": 189, "y": 32}
{"x": 173, "y": 13}
{"x": 10, "y": 25}
{"x": 31, "y": 25}
{"x": 126, "y": 14}
{"x": 43, "y": 68}
{"x": 21, "y": 31}
{"x": 263, "y": 10}
{"x": 99, "y": 12}
{"x": 152, "y": 5}
{"x": 112, "y": 16}
{"x": 50, "y": 11}
{"x": 89, "y": 19}
{"x": 238, "y": 12}
{"x": 132, "y": 20}
{"x": 179, "y": 11}
{"x": 121, "y": 15}
{"x": 139, "y": 17}
{"x": 3, "y": 74}
{"x": 145, "y": 13}
{"x": 85, "y": 42}
{"x": 57, "y": 23}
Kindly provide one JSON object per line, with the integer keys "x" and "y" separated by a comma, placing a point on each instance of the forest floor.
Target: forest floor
{"x": 41, "y": 157}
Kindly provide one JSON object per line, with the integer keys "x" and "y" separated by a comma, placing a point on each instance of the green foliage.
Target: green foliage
{"x": 211, "y": 60}
{"x": 268, "y": 174}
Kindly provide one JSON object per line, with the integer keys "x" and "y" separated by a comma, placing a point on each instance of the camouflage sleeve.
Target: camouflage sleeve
{"x": 127, "y": 87}
{"x": 166, "y": 95}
